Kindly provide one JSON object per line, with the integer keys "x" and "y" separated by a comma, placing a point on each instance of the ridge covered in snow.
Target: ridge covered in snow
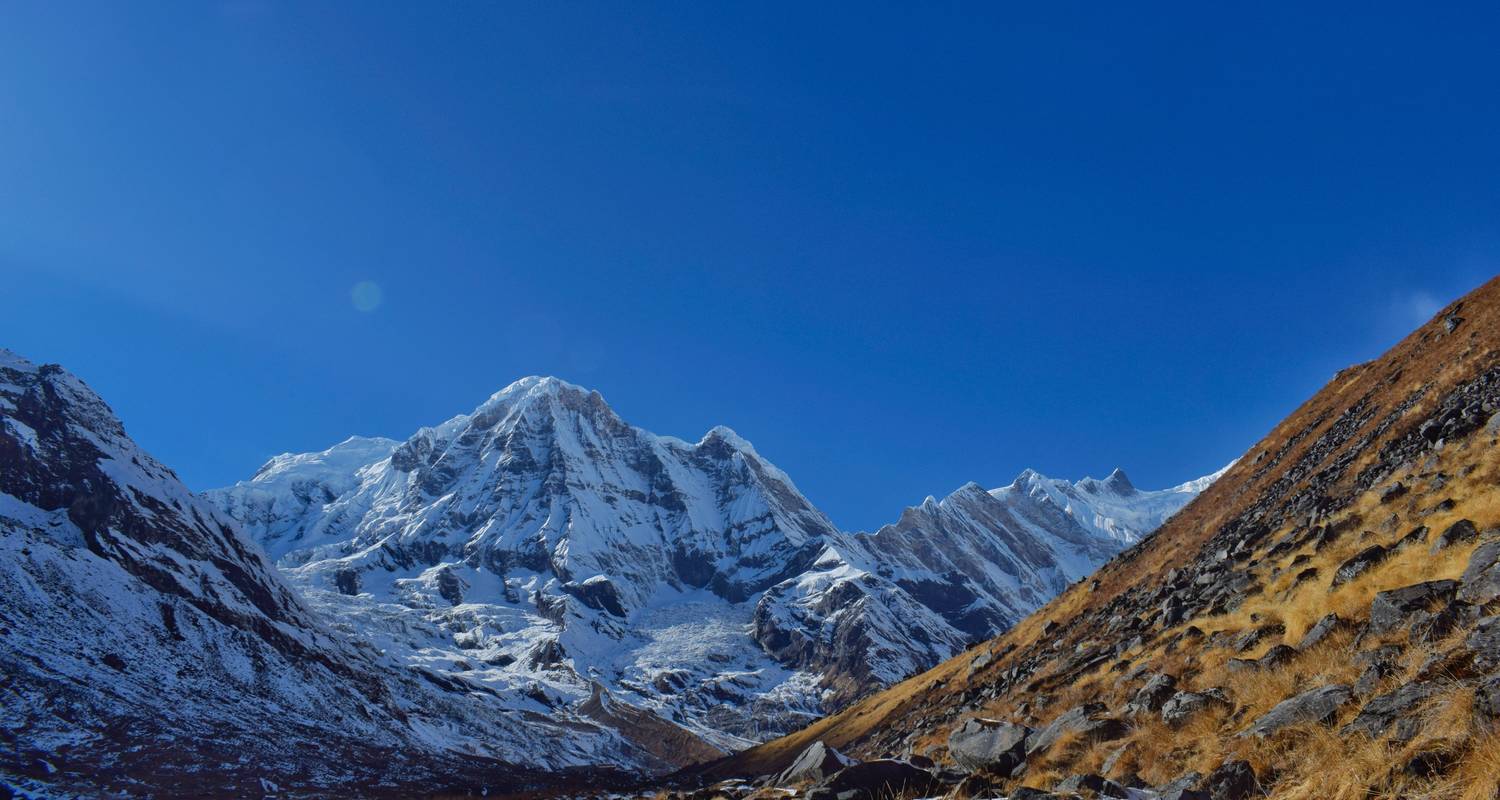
{"x": 148, "y": 647}
{"x": 543, "y": 548}
{"x": 1112, "y": 508}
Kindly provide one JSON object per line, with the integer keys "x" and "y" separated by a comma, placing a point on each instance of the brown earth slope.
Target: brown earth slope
{"x": 1387, "y": 478}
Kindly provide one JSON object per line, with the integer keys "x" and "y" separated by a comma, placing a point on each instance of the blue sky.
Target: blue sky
{"x": 897, "y": 248}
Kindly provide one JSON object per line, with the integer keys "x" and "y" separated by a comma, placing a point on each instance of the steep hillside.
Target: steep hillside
{"x": 586, "y": 570}
{"x": 1320, "y": 623}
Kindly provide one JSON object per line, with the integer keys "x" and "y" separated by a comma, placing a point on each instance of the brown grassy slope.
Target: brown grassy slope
{"x": 1314, "y": 761}
{"x": 1318, "y": 464}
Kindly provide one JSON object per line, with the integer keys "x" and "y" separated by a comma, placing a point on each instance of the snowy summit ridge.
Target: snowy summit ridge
{"x": 547, "y": 550}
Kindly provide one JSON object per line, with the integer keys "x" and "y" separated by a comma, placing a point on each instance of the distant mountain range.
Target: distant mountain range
{"x": 683, "y": 598}
{"x": 533, "y": 586}
{"x": 538, "y": 586}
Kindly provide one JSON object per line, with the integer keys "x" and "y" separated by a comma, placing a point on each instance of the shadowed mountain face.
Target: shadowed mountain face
{"x": 545, "y": 549}
{"x": 1320, "y": 622}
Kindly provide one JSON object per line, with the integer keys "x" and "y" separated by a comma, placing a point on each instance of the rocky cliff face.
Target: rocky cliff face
{"x": 542, "y": 547}
{"x": 1321, "y": 622}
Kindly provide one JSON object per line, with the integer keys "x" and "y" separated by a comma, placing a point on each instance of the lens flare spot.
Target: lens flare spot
{"x": 366, "y": 296}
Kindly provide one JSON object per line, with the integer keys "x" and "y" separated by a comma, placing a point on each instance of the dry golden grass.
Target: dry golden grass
{"x": 1064, "y": 753}
{"x": 1479, "y": 771}
{"x": 1314, "y": 762}
{"x": 1408, "y": 566}
{"x": 1042, "y": 778}
{"x": 1144, "y": 753}
{"x": 1451, "y": 715}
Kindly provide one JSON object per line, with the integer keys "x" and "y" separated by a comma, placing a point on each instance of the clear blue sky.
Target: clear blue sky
{"x": 898, "y": 249}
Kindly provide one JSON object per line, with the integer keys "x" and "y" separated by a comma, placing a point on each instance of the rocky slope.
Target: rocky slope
{"x": 582, "y": 568}
{"x": 148, "y": 649}
{"x": 1322, "y": 622}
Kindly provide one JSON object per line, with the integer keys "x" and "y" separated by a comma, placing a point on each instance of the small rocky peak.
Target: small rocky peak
{"x": 1118, "y": 482}
{"x": 721, "y": 444}
{"x": 537, "y": 390}
{"x": 1115, "y": 483}
{"x": 968, "y": 493}
{"x": 927, "y": 507}
{"x": 542, "y": 398}
{"x": 1027, "y": 479}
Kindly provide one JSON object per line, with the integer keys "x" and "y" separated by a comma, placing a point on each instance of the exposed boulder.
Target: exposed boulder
{"x": 987, "y": 744}
{"x": 1458, "y": 532}
{"x": 1255, "y": 636}
{"x": 1318, "y": 705}
{"x": 1317, "y": 633}
{"x": 1429, "y": 627}
{"x": 1487, "y": 697}
{"x": 1398, "y": 710}
{"x": 1152, "y": 696}
{"x": 1415, "y": 536}
{"x": 1309, "y": 574}
{"x": 875, "y": 780}
{"x": 1088, "y": 721}
{"x": 976, "y": 786}
{"x": 1392, "y": 492}
{"x": 1183, "y": 788}
{"x": 815, "y": 763}
{"x": 1235, "y": 780}
{"x": 1391, "y": 609}
{"x": 1358, "y": 564}
{"x": 1099, "y": 785}
{"x": 1481, "y": 579}
{"x": 1484, "y": 644}
{"x": 1275, "y": 657}
{"x": 1185, "y": 704}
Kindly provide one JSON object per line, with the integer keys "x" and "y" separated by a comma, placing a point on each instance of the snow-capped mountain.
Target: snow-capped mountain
{"x": 1112, "y": 508}
{"x": 543, "y": 548}
{"x": 149, "y": 649}
{"x": 961, "y": 568}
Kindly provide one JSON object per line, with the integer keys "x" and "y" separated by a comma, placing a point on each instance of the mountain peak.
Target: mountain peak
{"x": 1027, "y": 477}
{"x": 969, "y": 490}
{"x": 1119, "y": 482}
{"x": 728, "y": 435}
{"x": 1116, "y": 482}
{"x": 536, "y": 386}
{"x": 537, "y": 394}
{"x": 344, "y": 457}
